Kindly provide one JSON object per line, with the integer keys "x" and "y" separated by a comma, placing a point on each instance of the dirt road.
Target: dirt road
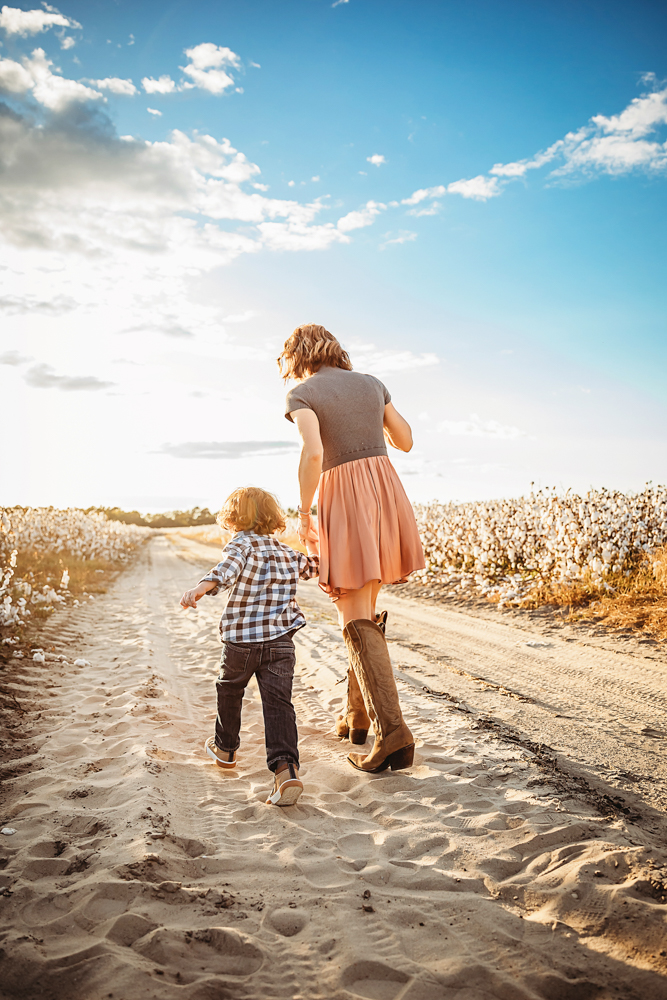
{"x": 601, "y": 704}
{"x": 140, "y": 870}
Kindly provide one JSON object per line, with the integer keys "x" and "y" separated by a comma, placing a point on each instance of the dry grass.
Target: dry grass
{"x": 89, "y": 576}
{"x": 212, "y": 534}
{"x": 205, "y": 534}
{"x": 634, "y": 603}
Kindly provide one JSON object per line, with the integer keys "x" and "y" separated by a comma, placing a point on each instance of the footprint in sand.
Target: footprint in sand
{"x": 193, "y": 954}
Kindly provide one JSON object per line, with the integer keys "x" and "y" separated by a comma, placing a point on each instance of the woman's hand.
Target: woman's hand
{"x": 190, "y": 597}
{"x": 308, "y": 533}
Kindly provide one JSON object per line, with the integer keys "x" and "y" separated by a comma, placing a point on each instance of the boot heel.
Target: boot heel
{"x": 402, "y": 758}
{"x": 358, "y": 736}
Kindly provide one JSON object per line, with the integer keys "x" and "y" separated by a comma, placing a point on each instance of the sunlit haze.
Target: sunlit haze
{"x": 469, "y": 195}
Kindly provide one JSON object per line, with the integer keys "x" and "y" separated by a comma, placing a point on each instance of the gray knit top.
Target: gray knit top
{"x": 350, "y": 409}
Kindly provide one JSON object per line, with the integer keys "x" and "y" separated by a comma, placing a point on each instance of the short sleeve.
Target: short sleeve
{"x": 297, "y": 399}
{"x": 383, "y": 389}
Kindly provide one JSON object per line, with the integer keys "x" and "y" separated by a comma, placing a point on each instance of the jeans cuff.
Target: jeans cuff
{"x": 287, "y": 758}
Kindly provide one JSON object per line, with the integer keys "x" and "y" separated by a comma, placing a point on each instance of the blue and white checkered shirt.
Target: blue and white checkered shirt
{"x": 262, "y": 574}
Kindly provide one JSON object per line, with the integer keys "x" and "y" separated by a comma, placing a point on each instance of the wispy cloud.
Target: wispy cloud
{"x": 404, "y": 236}
{"x": 43, "y": 377}
{"x": 57, "y": 306}
{"x": 613, "y": 145}
{"x": 368, "y": 358}
{"x": 476, "y": 427}
{"x": 13, "y": 358}
{"x": 227, "y": 449}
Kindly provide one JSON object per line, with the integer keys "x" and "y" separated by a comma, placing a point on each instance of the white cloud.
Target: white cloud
{"x": 240, "y": 317}
{"x": 520, "y": 167}
{"x": 376, "y": 159}
{"x": 116, "y": 85}
{"x": 405, "y": 236}
{"x": 614, "y": 145}
{"x": 315, "y": 179}
{"x": 115, "y": 227}
{"x": 479, "y": 188}
{"x": 53, "y": 91}
{"x": 363, "y": 217}
{"x": 476, "y": 427}
{"x": 31, "y": 22}
{"x": 163, "y": 85}
{"x": 337, "y": 3}
{"x": 13, "y": 358}
{"x": 205, "y": 67}
{"x": 368, "y": 357}
{"x": 300, "y": 236}
{"x": 67, "y": 42}
{"x": 14, "y": 78}
{"x": 423, "y": 193}
{"x": 43, "y": 377}
{"x": 154, "y": 111}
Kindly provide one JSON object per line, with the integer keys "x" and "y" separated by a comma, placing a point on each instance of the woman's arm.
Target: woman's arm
{"x": 396, "y": 429}
{"x": 310, "y": 464}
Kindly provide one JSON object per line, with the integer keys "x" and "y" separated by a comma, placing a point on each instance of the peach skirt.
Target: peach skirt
{"x": 367, "y": 527}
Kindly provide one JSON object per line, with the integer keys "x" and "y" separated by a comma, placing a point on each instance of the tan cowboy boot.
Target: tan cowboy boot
{"x": 394, "y": 744}
{"x": 354, "y": 722}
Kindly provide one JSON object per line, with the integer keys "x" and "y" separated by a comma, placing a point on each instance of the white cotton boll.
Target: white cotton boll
{"x": 38, "y": 658}
{"x": 81, "y": 662}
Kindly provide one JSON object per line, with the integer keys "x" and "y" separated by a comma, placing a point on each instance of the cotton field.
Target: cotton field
{"x": 501, "y": 548}
{"x": 84, "y": 536}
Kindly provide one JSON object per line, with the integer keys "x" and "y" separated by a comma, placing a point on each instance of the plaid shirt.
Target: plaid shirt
{"x": 263, "y": 575}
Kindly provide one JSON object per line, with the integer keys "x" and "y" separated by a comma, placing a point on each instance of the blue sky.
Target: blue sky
{"x": 470, "y": 195}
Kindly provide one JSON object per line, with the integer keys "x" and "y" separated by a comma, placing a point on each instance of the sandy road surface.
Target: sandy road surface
{"x": 140, "y": 870}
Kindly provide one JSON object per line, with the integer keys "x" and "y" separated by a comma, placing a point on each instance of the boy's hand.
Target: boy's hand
{"x": 190, "y": 597}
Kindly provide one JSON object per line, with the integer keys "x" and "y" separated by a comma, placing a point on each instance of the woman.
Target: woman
{"x": 367, "y": 530}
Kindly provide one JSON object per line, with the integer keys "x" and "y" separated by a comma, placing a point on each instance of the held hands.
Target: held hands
{"x": 308, "y": 534}
{"x": 190, "y": 597}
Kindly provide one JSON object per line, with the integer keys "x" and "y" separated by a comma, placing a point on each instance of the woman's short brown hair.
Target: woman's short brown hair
{"x": 310, "y": 347}
{"x": 251, "y": 509}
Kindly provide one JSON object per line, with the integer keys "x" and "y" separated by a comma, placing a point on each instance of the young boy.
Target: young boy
{"x": 257, "y": 627}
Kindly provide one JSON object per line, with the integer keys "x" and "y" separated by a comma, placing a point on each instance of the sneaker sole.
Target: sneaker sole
{"x": 226, "y": 764}
{"x": 288, "y": 796}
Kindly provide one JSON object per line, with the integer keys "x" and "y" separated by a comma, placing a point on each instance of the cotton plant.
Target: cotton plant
{"x": 71, "y": 531}
{"x": 502, "y": 548}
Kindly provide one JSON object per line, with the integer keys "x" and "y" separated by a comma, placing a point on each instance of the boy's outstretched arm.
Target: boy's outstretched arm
{"x": 190, "y": 597}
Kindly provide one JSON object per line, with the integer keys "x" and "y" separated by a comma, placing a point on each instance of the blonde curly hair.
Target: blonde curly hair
{"x": 251, "y": 509}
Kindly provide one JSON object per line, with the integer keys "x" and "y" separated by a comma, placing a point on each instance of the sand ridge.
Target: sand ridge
{"x": 140, "y": 870}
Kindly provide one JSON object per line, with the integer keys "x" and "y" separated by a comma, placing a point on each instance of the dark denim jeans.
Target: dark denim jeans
{"x": 273, "y": 664}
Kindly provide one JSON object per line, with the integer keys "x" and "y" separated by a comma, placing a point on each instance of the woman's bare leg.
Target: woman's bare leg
{"x": 358, "y": 603}
{"x": 377, "y": 586}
